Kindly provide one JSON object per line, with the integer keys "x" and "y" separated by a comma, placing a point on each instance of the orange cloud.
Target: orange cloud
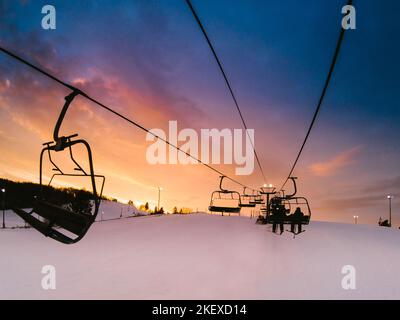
{"x": 331, "y": 166}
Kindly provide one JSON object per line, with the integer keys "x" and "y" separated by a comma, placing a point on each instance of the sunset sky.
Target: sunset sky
{"x": 149, "y": 61}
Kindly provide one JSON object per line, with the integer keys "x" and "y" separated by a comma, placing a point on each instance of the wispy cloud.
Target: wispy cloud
{"x": 351, "y": 203}
{"x": 331, "y": 166}
{"x": 389, "y": 185}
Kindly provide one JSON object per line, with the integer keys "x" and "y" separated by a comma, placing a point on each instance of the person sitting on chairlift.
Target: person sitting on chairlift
{"x": 384, "y": 223}
{"x": 297, "y": 218}
{"x": 279, "y": 218}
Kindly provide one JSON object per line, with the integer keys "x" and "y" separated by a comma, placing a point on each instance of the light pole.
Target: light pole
{"x": 390, "y": 197}
{"x": 159, "y": 196}
{"x": 267, "y": 190}
{"x": 355, "y": 219}
{"x": 3, "y": 191}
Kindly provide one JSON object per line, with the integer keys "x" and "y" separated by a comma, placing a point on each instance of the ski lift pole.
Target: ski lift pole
{"x": 390, "y": 197}
{"x": 268, "y": 190}
{"x": 159, "y": 198}
{"x": 3, "y": 191}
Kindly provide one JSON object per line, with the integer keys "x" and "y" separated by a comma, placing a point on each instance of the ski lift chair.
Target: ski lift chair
{"x": 280, "y": 210}
{"x": 54, "y": 220}
{"x": 223, "y": 200}
{"x": 280, "y": 206}
{"x": 259, "y": 200}
{"x": 256, "y": 199}
{"x": 247, "y": 200}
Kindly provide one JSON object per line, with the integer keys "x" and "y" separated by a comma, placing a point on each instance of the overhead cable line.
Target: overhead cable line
{"x": 227, "y": 82}
{"x": 69, "y": 86}
{"x": 320, "y": 101}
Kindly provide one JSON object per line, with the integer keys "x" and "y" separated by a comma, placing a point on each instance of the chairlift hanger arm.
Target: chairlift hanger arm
{"x": 294, "y": 186}
{"x": 220, "y": 184}
{"x": 68, "y": 100}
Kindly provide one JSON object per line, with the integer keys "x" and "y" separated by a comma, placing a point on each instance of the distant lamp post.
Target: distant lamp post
{"x": 3, "y": 191}
{"x": 159, "y": 197}
{"x": 268, "y": 185}
{"x": 355, "y": 219}
{"x": 268, "y": 190}
{"x": 390, "y": 197}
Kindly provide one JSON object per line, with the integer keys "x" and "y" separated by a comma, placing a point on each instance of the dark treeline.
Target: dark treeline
{"x": 22, "y": 194}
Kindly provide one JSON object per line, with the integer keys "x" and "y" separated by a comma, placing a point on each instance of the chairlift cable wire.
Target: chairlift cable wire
{"x": 320, "y": 101}
{"x": 226, "y": 81}
{"x": 40, "y": 70}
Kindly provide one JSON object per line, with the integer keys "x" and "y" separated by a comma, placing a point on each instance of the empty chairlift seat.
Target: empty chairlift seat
{"x": 225, "y": 200}
{"x": 247, "y": 200}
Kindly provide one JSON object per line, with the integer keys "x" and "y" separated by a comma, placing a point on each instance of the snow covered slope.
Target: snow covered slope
{"x": 202, "y": 256}
{"x": 115, "y": 210}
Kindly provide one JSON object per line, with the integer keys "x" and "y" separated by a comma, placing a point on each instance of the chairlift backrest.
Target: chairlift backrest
{"x": 247, "y": 200}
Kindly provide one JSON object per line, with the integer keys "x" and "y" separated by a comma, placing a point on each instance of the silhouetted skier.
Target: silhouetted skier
{"x": 385, "y": 223}
{"x": 297, "y": 218}
{"x": 278, "y": 218}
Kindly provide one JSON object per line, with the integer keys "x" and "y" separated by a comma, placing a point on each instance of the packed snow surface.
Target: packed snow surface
{"x": 202, "y": 256}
